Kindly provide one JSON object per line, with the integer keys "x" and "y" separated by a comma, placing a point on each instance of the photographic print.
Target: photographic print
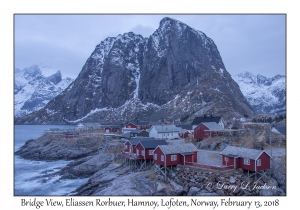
{"x": 150, "y": 105}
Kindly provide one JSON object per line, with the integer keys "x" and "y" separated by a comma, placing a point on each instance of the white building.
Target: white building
{"x": 164, "y": 131}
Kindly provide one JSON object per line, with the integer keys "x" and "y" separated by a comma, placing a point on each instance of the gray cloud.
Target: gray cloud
{"x": 254, "y": 43}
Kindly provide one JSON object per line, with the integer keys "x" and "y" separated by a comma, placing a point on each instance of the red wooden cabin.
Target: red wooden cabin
{"x": 248, "y": 159}
{"x": 205, "y": 130}
{"x": 144, "y": 149}
{"x": 140, "y": 125}
{"x": 130, "y": 145}
{"x": 112, "y": 129}
{"x": 170, "y": 155}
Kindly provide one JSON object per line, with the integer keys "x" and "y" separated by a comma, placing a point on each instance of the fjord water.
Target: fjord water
{"x": 37, "y": 177}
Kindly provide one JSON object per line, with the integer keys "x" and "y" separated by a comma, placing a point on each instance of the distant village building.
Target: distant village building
{"x": 140, "y": 125}
{"x": 208, "y": 118}
{"x": 164, "y": 131}
{"x": 206, "y": 130}
{"x": 112, "y": 129}
{"x": 130, "y": 145}
{"x": 135, "y": 133}
{"x": 247, "y": 159}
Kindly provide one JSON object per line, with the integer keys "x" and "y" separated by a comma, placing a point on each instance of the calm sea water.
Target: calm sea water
{"x": 36, "y": 177}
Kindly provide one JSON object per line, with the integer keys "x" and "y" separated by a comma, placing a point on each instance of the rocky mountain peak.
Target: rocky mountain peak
{"x": 266, "y": 95}
{"x": 177, "y": 71}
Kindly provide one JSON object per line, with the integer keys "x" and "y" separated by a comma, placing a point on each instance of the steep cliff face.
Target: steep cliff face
{"x": 177, "y": 71}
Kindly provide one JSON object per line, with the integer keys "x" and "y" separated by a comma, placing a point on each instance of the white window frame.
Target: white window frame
{"x": 155, "y": 156}
{"x": 173, "y": 157}
{"x": 143, "y": 152}
{"x": 226, "y": 159}
{"x": 258, "y": 162}
{"x": 137, "y": 151}
{"x": 151, "y": 152}
{"x": 246, "y": 161}
{"x": 162, "y": 158}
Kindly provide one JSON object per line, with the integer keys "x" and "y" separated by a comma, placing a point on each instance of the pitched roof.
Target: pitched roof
{"x": 186, "y": 127}
{"x": 212, "y": 125}
{"x": 112, "y": 126}
{"x": 243, "y": 152}
{"x": 199, "y": 120}
{"x": 153, "y": 144}
{"x": 178, "y": 148}
{"x": 136, "y": 131}
{"x": 125, "y": 135}
{"x": 281, "y": 129}
{"x": 135, "y": 141}
{"x": 165, "y": 128}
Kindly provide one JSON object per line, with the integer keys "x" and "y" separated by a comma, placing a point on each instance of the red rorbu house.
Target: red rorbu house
{"x": 170, "y": 155}
{"x": 112, "y": 129}
{"x": 140, "y": 125}
{"x": 130, "y": 146}
{"x": 206, "y": 130}
{"x": 144, "y": 149}
{"x": 247, "y": 159}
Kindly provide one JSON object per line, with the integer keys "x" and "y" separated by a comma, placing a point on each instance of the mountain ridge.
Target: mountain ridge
{"x": 35, "y": 86}
{"x": 177, "y": 71}
{"x": 266, "y": 95}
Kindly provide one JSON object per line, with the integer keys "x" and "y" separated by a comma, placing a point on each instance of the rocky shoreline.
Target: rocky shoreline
{"x": 103, "y": 165}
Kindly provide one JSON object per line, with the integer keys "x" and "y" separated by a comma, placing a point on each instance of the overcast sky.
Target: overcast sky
{"x": 254, "y": 43}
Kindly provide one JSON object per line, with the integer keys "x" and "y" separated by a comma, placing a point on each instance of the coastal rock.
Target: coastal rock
{"x": 193, "y": 191}
{"x": 213, "y": 146}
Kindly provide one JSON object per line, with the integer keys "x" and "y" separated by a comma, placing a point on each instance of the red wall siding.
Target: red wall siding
{"x": 265, "y": 162}
{"x": 237, "y": 163}
{"x": 188, "y": 158}
{"x": 230, "y": 161}
{"x": 199, "y": 133}
{"x": 176, "y": 162}
{"x": 140, "y": 148}
{"x": 250, "y": 167}
{"x": 159, "y": 153}
{"x": 147, "y": 156}
{"x": 195, "y": 156}
{"x": 128, "y": 146}
{"x": 130, "y": 125}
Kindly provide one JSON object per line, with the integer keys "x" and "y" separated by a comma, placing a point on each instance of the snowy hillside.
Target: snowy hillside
{"x": 35, "y": 86}
{"x": 266, "y": 95}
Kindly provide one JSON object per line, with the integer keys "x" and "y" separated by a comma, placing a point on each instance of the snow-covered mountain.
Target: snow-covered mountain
{"x": 266, "y": 95}
{"x": 35, "y": 86}
{"x": 176, "y": 73}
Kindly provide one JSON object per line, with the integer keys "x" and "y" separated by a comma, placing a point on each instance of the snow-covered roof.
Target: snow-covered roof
{"x": 135, "y": 141}
{"x": 212, "y": 125}
{"x": 243, "y": 152}
{"x": 153, "y": 144}
{"x": 165, "y": 128}
{"x": 178, "y": 148}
